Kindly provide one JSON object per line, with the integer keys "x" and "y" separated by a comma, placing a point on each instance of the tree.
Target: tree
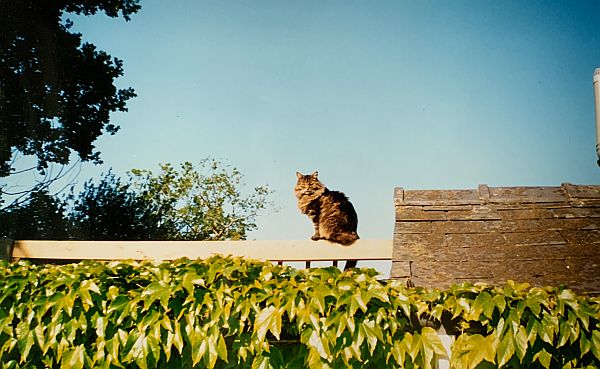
{"x": 56, "y": 93}
{"x": 112, "y": 210}
{"x": 185, "y": 204}
{"x": 204, "y": 203}
{"x": 40, "y": 217}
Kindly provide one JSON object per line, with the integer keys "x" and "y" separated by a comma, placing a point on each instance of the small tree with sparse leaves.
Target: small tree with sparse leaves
{"x": 204, "y": 202}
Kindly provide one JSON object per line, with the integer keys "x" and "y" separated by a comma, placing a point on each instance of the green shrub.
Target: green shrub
{"x": 228, "y": 312}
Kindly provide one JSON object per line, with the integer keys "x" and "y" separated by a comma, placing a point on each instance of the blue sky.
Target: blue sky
{"x": 372, "y": 94}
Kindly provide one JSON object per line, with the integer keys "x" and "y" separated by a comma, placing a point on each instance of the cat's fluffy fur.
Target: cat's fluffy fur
{"x": 331, "y": 212}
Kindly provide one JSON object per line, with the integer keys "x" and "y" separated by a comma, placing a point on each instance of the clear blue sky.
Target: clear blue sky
{"x": 372, "y": 94}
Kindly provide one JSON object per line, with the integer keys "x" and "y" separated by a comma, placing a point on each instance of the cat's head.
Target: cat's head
{"x": 308, "y": 184}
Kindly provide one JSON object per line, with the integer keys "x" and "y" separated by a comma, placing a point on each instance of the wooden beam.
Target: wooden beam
{"x": 6, "y": 247}
{"x": 296, "y": 250}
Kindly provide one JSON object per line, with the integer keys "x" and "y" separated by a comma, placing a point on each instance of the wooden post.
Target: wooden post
{"x": 6, "y": 249}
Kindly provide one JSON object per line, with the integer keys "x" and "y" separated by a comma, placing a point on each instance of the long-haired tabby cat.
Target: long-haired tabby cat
{"x": 331, "y": 212}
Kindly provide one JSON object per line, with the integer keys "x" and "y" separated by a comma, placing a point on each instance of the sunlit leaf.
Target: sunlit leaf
{"x": 156, "y": 291}
{"x": 73, "y": 359}
{"x": 521, "y": 342}
{"x": 261, "y": 362}
{"x": 268, "y": 319}
{"x": 543, "y": 357}
{"x": 143, "y": 316}
{"x": 24, "y": 339}
{"x": 222, "y": 348}
{"x": 595, "y": 343}
{"x": 319, "y": 344}
{"x": 468, "y": 351}
{"x": 506, "y": 349}
{"x": 432, "y": 342}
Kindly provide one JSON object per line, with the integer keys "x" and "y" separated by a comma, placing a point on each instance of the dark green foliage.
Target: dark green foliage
{"x": 111, "y": 210}
{"x": 56, "y": 93}
{"x": 191, "y": 205}
{"x": 233, "y": 313}
{"x": 40, "y": 218}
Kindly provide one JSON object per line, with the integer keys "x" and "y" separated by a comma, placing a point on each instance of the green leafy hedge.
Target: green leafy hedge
{"x": 233, "y": 313}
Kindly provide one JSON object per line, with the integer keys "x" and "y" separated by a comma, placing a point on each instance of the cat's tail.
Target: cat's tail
{"x": 345, "y": 239}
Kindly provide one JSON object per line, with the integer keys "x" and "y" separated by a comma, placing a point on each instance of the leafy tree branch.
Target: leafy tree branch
{"x": 56, "y": 92}
{"x": 203, "y": 202}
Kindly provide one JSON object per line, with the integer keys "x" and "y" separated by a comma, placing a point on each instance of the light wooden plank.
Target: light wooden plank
{"x": 295, "y": 250}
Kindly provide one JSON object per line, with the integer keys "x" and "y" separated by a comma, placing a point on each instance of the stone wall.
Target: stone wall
{"x": 539, "y": 235}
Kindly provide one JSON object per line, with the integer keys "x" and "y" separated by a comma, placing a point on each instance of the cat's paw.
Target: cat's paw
{"x": 315, "y": 237}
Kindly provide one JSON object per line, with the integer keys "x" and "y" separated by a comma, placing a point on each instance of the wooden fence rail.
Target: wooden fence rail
{"x": 275, "y": 251}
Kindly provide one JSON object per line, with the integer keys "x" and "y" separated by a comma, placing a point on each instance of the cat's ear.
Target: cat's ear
{"x": 299, "y": 175}
{"x": 315, "y": 174}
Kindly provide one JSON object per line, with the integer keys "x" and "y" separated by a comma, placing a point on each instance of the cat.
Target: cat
{"x": 331, "y": 212}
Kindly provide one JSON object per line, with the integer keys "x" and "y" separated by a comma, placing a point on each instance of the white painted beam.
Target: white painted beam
{"x": 286, "y": 250}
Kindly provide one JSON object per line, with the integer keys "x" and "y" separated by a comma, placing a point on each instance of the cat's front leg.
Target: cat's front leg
{"x": 317, "y": 235}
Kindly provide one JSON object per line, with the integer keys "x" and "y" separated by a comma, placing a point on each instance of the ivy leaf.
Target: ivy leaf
{"x": 154, "y": 342}
{"x": 468, "y": 351}
{"x": 399, "y": 352}
{"x": 100, "y": 326}
{"x": 585, "y": 345}
{"x": 177, "y": 337}
{"x": 120, "y": 305}
{"x": 67, "y": 302}
{"x": 506, "y": 349}
{"x": 595, "y": 343}
{"x": 354, "y": 322}
{"x": 199, "y": 344}
{"x": 415, "y": 345}
{"x": 432, "y": 342}
{"x": 211, "y": 359}
{"x": 112, "y": 349}
{"x": 319, "y": 344}
{"x": 586, "y": 311}
{"x": 24, "y": 339}
{"x": 84, "y": 293}
{"x": 534, "y": 303}
{"x": 543, "y": 357}
{"x": 372, "y": 333}
{"x": 268, "y": 319}
{"x": 222, "y": 348}
{"x": 262, "y": 322}
{"x": 261, "y": 362}
{"x": 532, "y": 330}
{"x": 112, "y": 293}
{"x": 483, "y": 302}
{"x": 378, "y": 292}
{"x": 345, "y": 285}
{"x": 190, "y": 280}
{"x": 135, "y": 349}
{"x": 73, "y": 359}
{"x": 358, "y": 301}
{"x": 156, "y": 291}
{"x": 549, "y": 328}
{"x": 520, "y": 340}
